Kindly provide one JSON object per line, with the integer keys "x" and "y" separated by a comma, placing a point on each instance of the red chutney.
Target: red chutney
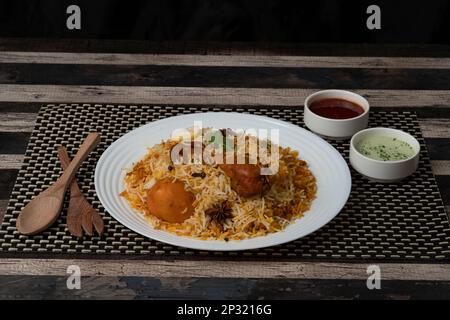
{"x": 336, "y": 109}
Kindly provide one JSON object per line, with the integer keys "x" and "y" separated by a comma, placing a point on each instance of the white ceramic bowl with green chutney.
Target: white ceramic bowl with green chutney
{"x": 384, "y": 154}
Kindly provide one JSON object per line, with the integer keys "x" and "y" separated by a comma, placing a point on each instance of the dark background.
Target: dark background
{"x": 423, "y": 22}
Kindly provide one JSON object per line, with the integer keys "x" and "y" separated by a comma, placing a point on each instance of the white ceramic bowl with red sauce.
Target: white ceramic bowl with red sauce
{"x": 338, "y": 129}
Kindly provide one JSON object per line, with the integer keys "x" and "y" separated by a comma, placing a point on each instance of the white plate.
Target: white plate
{"x": 325, "y": 162}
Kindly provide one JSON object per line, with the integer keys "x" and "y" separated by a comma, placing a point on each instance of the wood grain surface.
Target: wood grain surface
{"x": 223, "y": 60}
{"x": 202, "y": 96}
{"x": 224, "y": 48}
{"x": 224, "y": 269}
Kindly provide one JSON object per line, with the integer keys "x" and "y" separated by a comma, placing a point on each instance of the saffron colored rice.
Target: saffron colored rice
{"x": 289, "y": 195}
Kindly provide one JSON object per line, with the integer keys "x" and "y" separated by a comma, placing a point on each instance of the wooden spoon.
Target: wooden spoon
{"x": 44, "y": 209}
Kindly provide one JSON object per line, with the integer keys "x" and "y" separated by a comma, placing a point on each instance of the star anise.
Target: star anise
{"x": 220, "y": 212}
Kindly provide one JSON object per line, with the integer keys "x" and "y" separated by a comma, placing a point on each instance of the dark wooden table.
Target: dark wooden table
{"x": 34, "y": 72}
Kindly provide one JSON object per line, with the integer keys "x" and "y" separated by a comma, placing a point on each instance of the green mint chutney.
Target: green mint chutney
{"x": 384, "y": 148}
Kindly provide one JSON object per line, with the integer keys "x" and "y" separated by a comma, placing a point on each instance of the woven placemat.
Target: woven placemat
{"x": 379, "y": 222}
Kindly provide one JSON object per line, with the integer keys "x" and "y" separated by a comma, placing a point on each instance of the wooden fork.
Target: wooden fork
{"x": 80, "y": 214}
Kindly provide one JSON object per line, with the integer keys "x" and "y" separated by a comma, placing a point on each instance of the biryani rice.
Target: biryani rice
{"x": 291, "y": 192}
